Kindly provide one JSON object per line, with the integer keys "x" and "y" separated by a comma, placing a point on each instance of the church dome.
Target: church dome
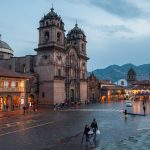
{"x": 131, "y": 72}
{"x": 76, "y": 30}
{"x": 52, "y": 19}
{"x": 52, "y": 15}
{"x": 5, "y": 50}
{"x": 4, "y": 45}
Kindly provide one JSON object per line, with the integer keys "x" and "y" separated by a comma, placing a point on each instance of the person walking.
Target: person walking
{"x": 125, "y": 114}
{"x": 24, "y": 110}
{"x": 144, "y": 109}
{"x": 85, "y": 133}
{"x": 95, "y": 127}
{"x": 91, "y": 135}
{"x": 143, "y": 102}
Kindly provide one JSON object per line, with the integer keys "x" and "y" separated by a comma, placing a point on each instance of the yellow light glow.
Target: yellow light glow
{"x": 135, "y": 91}
{"x": 22, "y": 84}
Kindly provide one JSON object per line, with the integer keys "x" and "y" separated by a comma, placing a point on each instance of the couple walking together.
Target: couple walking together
{"x": 90, "y": 133}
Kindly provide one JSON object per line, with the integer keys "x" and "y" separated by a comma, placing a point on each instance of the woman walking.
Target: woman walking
{"x": 85, "y": 133}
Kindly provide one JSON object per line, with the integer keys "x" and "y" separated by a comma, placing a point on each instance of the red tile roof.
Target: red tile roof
{"x": 11, "y": 74}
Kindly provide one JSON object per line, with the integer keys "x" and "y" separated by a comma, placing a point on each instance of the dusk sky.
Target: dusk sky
{"x": 118, "y": 31}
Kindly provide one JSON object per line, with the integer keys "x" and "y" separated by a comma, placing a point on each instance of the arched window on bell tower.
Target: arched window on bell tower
{"x": 47, "y": 23}
{"x": 51, "y": 31}
{"x": 59, "y": 37}
{"x": 46, "y": 36}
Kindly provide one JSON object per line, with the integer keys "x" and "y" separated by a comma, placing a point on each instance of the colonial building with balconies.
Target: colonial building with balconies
{"x": 13, "y": 90}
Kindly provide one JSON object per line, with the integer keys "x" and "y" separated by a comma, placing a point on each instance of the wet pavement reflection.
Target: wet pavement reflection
{"x": 137, "y": 107}
{"x": 63, "y": 130}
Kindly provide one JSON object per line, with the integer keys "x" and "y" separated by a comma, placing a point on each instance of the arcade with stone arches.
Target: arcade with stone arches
{"x": 12, "y": 102}
{"x": 9, "y": 102}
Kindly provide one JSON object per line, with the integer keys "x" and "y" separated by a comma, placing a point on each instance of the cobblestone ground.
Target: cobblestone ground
{"x": 63, "y": 129}
{"x": 139, "y": 142}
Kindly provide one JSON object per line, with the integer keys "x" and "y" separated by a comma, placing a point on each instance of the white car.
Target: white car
{"x": 129, "y": 103}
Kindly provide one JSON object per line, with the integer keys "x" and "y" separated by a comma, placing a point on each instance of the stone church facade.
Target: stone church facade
{"x": 60, "y": 66}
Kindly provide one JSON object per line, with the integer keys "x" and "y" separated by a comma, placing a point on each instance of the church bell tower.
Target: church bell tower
{"x": 50, "y": 59}
{"x": 51, "y": 31}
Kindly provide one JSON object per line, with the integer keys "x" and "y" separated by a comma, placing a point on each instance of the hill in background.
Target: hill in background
{"x": 115, "y": 72}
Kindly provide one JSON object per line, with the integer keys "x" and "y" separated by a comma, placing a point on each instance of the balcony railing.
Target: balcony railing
{"x": 12, "y": 89}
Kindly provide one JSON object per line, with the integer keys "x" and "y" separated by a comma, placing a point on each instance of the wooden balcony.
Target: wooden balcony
{"x": 12, "y": 89}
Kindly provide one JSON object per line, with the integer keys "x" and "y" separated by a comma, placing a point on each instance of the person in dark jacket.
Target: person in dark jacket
{"x": 24, "y": 109}
{"x": 95, "y": 127}
{"x": 144, "y": 109}
{"x": 85, "y": 133}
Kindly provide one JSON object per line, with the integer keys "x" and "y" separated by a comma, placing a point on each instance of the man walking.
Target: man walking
{"x": 144, "y": 109}
{"x": 95, "y": 127}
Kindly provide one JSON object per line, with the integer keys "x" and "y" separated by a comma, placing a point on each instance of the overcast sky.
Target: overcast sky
{"x": 118, "y": 31}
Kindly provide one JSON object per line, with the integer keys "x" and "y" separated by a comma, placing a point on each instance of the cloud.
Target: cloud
{"x": 114, "y": 29}
{"x": 120, "y": 8}
{"x": 121, "y": 51}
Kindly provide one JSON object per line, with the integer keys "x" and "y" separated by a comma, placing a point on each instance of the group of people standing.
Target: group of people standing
{"x": 90, "y": 133}
{"x": 29, "y": 107}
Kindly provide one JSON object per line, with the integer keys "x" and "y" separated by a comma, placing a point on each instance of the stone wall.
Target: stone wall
{"x": 83, "y": 91}
{"x": 59, "y": 91}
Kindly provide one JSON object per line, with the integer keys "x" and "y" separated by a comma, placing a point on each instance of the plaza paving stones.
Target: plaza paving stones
{"x": 63, "y": 129}
{"x": 139, "y": 142}
{"x": 145, "y": 123}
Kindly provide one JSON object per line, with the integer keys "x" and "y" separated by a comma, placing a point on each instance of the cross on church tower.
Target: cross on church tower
{"x": 52, "y": 8}
{"x": 76, "y": 23}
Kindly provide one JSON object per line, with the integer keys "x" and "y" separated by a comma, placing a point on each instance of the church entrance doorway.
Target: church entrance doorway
{"x": 72, "y": 95}
{"x": 93, "y": 98}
